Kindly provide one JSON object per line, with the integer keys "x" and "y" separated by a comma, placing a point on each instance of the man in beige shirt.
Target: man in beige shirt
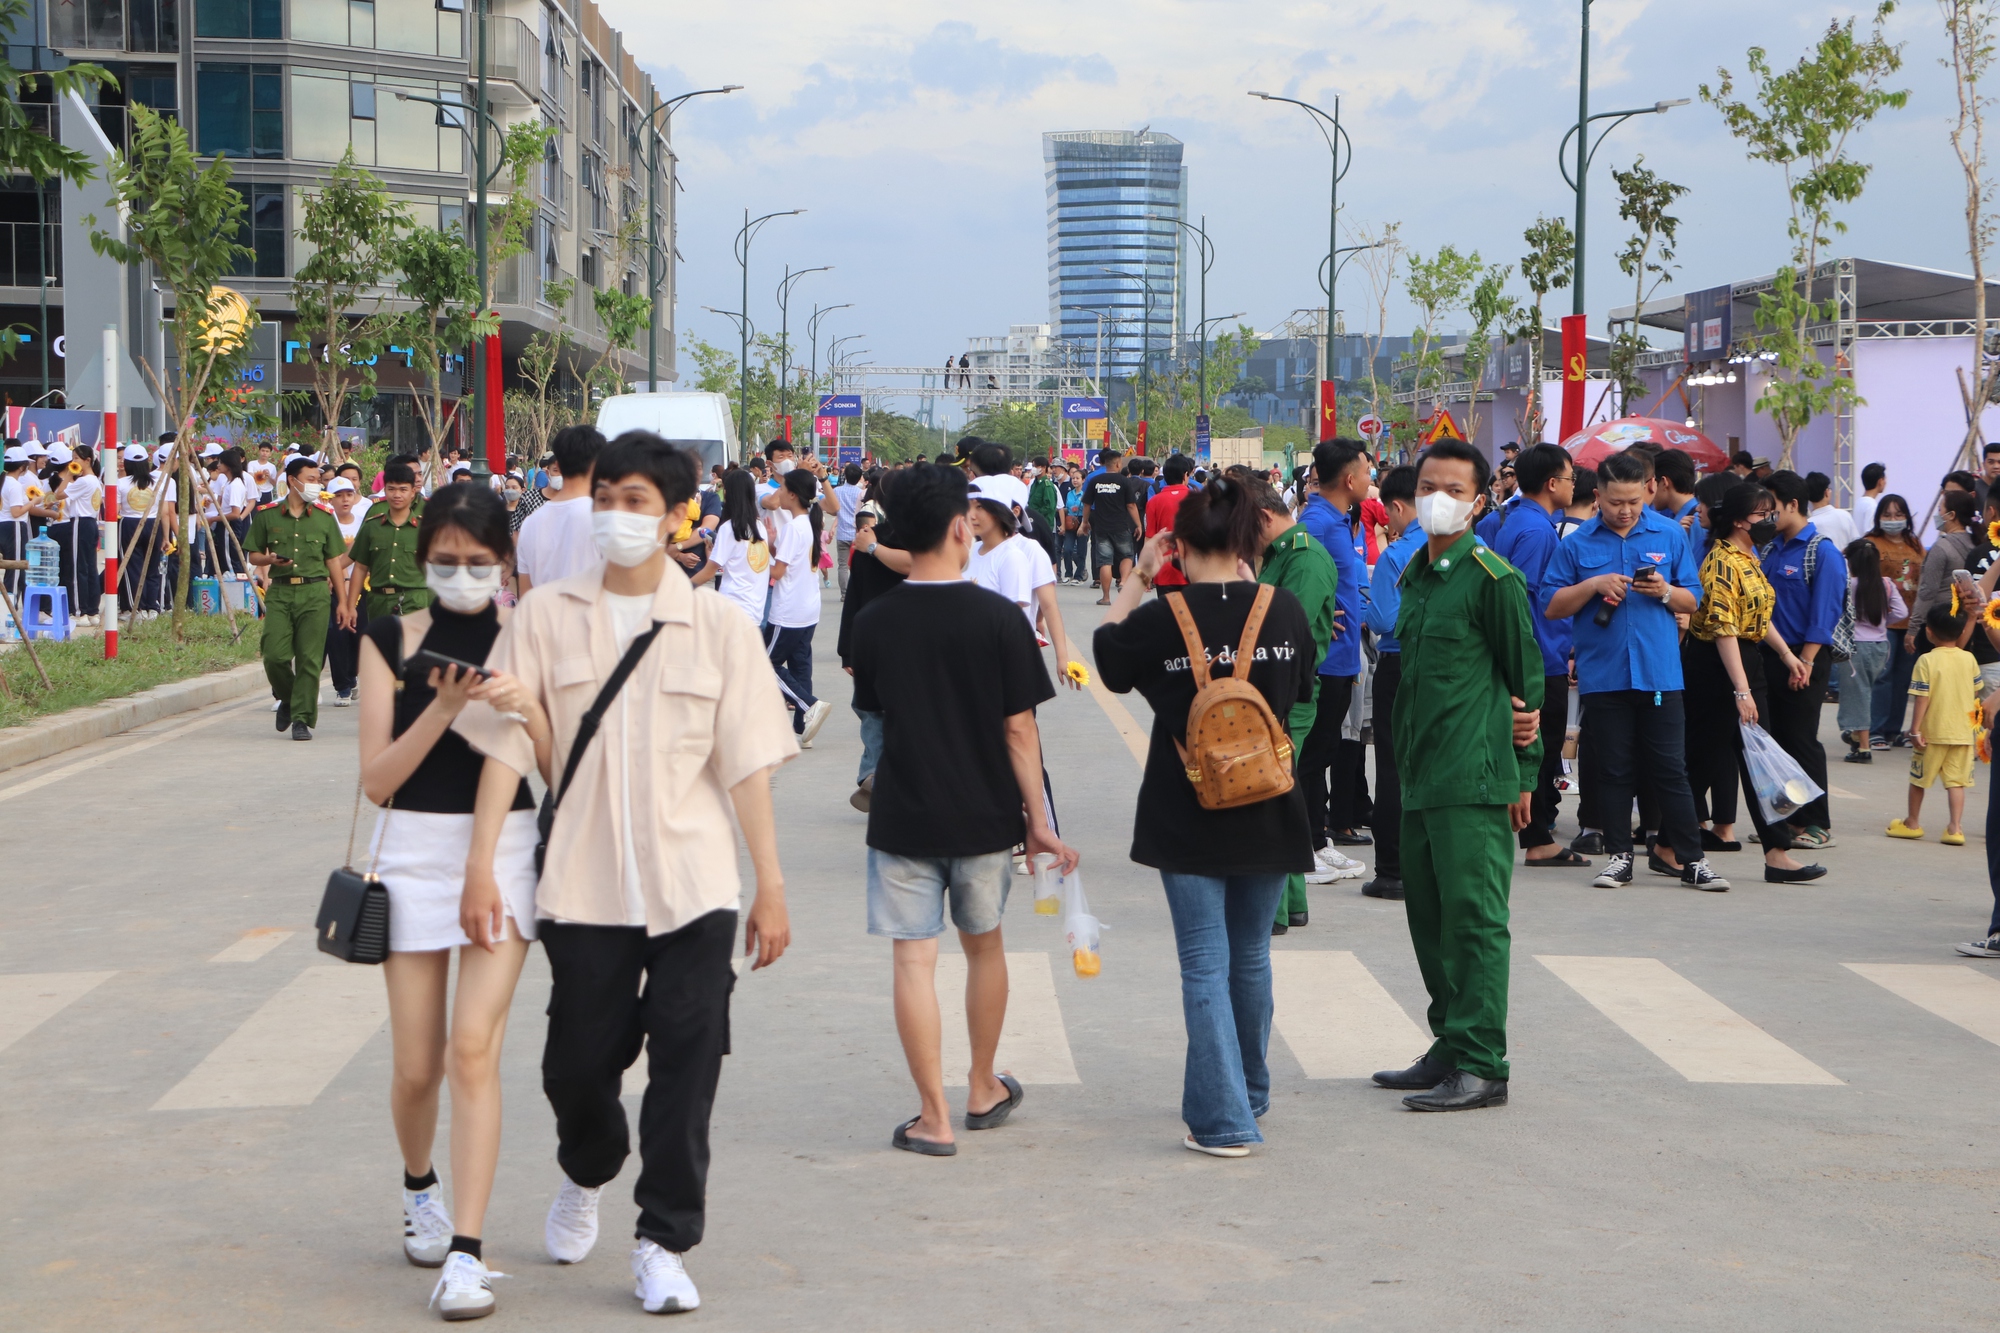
{"x": 640, "y": 882}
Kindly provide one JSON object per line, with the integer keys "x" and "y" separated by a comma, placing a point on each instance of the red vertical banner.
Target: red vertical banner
{"x": 1575, "y": 354}
{"x": 1139, "y": 442}
{"x": 1329, "y": 409}
{"x": 786, "y": 421}
{"x": 496, "y": 411}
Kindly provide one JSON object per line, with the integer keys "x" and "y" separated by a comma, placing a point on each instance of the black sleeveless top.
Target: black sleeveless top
{"x": 447, "y": 781}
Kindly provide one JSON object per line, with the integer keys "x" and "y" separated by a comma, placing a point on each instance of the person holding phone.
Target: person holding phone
{"x": 420, "y": 672}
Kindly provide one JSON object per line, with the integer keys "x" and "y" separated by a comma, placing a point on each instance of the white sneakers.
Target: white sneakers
{"x": 815, "y": 719}
{"x": 572, "y": 1226}
{"x": 465, "y": 1290}
{"x": 426, "y": 1227}
{"x": 1330, "y": 864}
{"x": 664, "y": 1286}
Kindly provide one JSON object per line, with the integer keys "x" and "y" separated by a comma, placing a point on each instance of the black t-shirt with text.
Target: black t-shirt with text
{"x": 946, "y": 664}
{"x": 1106, "y": 495}
{"x": 1146, "y": 652}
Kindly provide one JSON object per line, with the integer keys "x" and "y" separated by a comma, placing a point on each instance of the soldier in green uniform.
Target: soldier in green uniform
{"x": 1297, "y": 563}
{"x": 385, "y": 551}
{"x": 300, "y": 544}
{"x": 1469, "y": 761}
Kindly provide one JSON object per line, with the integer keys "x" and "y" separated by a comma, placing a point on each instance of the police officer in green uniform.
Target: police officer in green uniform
{"x": 385, "y": 549}
{"x": 300, "y": 544}
{"x": 1297, "y": 563}
{"x": 1465, "y": 724}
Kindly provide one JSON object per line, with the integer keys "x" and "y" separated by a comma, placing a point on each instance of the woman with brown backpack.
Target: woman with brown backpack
{"x": 1219, "y": 814}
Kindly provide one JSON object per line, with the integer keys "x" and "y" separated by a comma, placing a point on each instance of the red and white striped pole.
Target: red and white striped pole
{"x": 107, "y": 527}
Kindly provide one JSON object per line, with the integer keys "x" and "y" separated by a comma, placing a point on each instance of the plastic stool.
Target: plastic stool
{"x": 54, "y": 599}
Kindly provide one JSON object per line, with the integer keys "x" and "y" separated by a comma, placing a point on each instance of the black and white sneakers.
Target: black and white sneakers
{"x": 1617, "y": 872}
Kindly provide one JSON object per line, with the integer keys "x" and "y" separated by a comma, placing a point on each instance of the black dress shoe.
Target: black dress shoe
{"x": 284, "y": 715}
{"x": 1711, "y": 843}
{"x": 1382, "y": 887}
{"x": 1588, "y": 844}
{"x": 1460, "y": 1091}
{"x": 1279, "y": 928}
{"x": 1658, "y": 865}
{"x": 301, "y": 732}
{"x": 1352, "y": 837}
{"x": 1298, "y": 918}
{"x": 1779, "y": 875}
{"x": 1425, "y": 1073}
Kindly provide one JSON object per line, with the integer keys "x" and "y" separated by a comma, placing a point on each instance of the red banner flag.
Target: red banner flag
{"x": 826, "y": 428}
{"x": 1139, "y": 444}
{"x": 1575, "y": 345}
{"x": 1329, "y": 409}
{"x": 496, "y": 416}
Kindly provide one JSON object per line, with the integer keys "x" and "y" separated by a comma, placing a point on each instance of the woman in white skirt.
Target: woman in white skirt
{"x": 427, "y": 777}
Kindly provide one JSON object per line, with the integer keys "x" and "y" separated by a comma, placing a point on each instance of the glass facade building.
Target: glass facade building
{"x": 1102, "y": 185}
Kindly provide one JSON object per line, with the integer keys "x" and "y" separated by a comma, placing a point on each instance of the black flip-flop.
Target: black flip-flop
{"x": 927, "y": 1147}
{"x": 1562, "y": 860}
{"x": 996, "y": 1115}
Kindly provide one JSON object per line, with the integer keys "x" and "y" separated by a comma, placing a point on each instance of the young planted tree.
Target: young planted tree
{"x": 1969, "y": 24}
{"x": 623, "y": 316}
{"x": 1547, "y": 267}
{"x": 1644, "y": 196}
{"x": 1800, "y": 121}
{"x": 1436, "y": 285}
{"x": 353, "y": 226}
{"x": 1379, "y": 263}
{"x": 536, "y": 413}
{"x": 1492, "y": 310}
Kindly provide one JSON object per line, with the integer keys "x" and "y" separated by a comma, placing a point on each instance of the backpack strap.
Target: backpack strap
{"x": 1197, "y": 654}
{"x": 1246, "y": 648}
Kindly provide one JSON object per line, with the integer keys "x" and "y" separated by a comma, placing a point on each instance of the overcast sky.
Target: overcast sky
{"x": 915, "y": 142}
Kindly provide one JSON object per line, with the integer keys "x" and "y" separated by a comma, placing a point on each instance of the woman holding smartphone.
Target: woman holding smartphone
{"x": 426, "y": 777}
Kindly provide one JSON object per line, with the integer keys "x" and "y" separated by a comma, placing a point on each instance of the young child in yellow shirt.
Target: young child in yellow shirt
{"x": 1945, "y": 684}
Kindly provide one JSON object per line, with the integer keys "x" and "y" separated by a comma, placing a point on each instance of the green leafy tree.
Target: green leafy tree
{"x": 1547, "y": 267}
{"x": 1435, "y": 285}
{"x": 1491, "y": 310}
{"x": 436, "y": 274}
{"x": 1644, "y": 196}
{"x": 716, "y": 372}
{"x": 537, "y": 412}
{"x": 1969, "y": 26}
{"x": 353, "y": 225}
{"x": 1800, "y": 120}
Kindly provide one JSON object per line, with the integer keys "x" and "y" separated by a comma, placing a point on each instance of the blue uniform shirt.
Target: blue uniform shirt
{"x": 1806, "y": 614}
{"x": 1385, "y": 590}
{"x": 1527, "y": 540}
{"x": 1331, "y": 529}
{"x": 1640, "y": 648}
{"x": 1488, "y": 528}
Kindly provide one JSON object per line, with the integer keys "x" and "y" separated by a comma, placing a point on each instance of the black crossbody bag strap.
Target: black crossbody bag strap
{"x": 586, "y": 731}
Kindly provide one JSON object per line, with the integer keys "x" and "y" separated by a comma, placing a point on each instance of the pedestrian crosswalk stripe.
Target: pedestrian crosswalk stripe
{"x": 30, "y": 999}
{"x": 1337, "y": 1018}
{"x": 253, "y": 945}
{"x": 290, "y": 1049}
{"x": 1701, "y": 1038}
{"x": 1954, "y": 992}
{"x": 1033, "y": 1042}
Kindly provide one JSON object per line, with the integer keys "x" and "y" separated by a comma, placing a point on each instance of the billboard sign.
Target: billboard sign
{"x": 1083, "y": 409}
{"x": 1708, "y": 331}
{"x": 826, "y": 428}
{"x": 1201, "y": 438}
{"x": 840, "y": 405}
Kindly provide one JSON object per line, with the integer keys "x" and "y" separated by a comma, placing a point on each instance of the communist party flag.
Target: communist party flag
{"x": 1329, "y": 409}
{"x": 1139, "y": 442}
{"x": 1574, "y": 353}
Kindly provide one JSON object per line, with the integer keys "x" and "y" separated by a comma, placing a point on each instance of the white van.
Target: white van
{"x": 704, "y": 423}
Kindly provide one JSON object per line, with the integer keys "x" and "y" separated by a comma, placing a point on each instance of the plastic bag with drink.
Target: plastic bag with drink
{"x": 1081, "y": 928}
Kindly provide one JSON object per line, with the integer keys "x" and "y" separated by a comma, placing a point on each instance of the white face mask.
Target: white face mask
{"x": 310, "y": 491}
{"x": 461, "y": 589}
{"x": 785, "y": 465}
{"x": 624, "y": 538}
{"x": 1442, "y": 515}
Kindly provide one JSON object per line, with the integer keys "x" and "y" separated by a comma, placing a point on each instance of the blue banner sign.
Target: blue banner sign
{"x": 840, "y": 405}
{"x": 1083, "y": 409}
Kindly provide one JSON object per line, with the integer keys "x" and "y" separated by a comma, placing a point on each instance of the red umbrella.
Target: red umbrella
{"x": 1588, "y": 448}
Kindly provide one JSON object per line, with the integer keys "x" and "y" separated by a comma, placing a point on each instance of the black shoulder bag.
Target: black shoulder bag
{"x": 586, "y": 730}
{"x": 353, "y": 922}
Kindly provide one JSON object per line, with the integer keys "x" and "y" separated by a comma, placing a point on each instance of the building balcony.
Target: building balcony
{"x": 513, "y": 62}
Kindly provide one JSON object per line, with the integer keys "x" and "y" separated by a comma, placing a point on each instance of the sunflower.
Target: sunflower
{"x": 1992, "y": 613}
{"x": 1993, "y": 533}
{"x": 1078, "y": 672}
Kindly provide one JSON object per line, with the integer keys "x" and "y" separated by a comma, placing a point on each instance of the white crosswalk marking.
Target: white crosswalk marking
{"x": 30, "y": 999}
{"x": 291, "y": 1048}
{"x": 1033, "y": 1042}
{"x": 254, "y": 945}
{"x": 1337, "y": 1018}
{"x": 1701, "y": 1038}
{"x": 1954, "y": 992}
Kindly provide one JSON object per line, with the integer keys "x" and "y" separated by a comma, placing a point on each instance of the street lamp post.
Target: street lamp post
{"x": 812, "y": 332}
{"x": 655, "y": 269}
{"x": 749, "y": 331}
{"x": 1206, "y": 248}
{"x": 1334, "y": 142}
{"x": 1145, "y": 341}
{"x": 746, "y": 234}
{"x": 784, "y": 327}
{"x": 1201, "y": 338}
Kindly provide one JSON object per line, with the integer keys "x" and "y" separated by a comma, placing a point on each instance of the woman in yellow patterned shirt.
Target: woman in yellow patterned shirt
{"x": 1725, "y": 682}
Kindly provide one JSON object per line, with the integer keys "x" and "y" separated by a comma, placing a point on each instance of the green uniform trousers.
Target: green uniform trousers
{"x": 295, "y": 620}
{"x": 1294, "y": 897}
{"x": 375, "y": 604}
{"x": 1458, "y": 865}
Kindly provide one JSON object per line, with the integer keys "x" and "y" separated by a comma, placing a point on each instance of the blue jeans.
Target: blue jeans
{"x": 1859, "y": 674}
{"x": 1892, "y": 690}
{"x": 871, "y": 743}
{"x": 1222, "y": 927}
{"x": 1075, "y": 550}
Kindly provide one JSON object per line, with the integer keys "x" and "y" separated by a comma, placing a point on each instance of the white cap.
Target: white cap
{"x": 59, "y": 454}
{"x": 162, "y": 454}
{"x": 36, "y": 449}
{"x": 135, "y": 453}
{"x": 211, "y": 450}
{"x": 17, "y": 454}
{"x": 339, "y": 484}
{"x": 1007, "y": 489}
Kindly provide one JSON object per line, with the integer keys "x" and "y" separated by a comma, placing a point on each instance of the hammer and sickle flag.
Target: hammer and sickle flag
{"x": 1575, "y": 350}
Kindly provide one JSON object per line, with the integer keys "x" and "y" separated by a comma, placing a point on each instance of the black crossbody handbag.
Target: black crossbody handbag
{"x": 586, "y": 731}
{"x": 353, "y": 922}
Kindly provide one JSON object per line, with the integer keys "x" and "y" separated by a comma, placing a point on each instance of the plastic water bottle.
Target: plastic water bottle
{"x": 44, "y": 562}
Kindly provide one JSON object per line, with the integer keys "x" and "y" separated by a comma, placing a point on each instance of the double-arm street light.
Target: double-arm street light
{"x": 1201, "y": 340}
{"x": 812, "y": 333}
{"x": 1145, "y": 340}
{"x": 1207, "y": 251}
{"x": 746, "y": 234}
{"x": 1586, "y": 150}
{"x": 1336, "y": 139}
{"x": 785, "y": 328}
{"x": 656, "y": 269}
{"x": 749, "y": 331}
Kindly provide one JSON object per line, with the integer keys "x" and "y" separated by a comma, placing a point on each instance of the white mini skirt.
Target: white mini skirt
{"x": 422, "y": 864}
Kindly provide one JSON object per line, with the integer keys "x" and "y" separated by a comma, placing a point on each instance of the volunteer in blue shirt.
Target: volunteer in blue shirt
{"x": 1398, "y": 494}
{"x": 1527, "y": 540}
{"x": 1488, "y": 528}
{"x": 1340, "y": 471}
{"x": 1628, "y": 668}
{"x": 1809, "y": 575}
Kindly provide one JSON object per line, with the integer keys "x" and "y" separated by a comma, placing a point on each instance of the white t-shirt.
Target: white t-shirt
{"x": 80, "y": 497}
{"x": 1836, "y": 525}
{"x": 1006, "y": 570}
{"x": 795, "y": 598}
{"x": 264, "y": 476}
{"x": 13, "y": 495}
{"x": 629, "y": 616}
{"x": 850, "y": 500}
{"x": 237, "y": 495}
{"x": 363, "y": 504}
{"x": 1864, "y": 513}
{"x": 555, "y": 542}
{"x": 164, "y": 492}
{"x": 746, "y": 568}
{"x": 349, "y": 528}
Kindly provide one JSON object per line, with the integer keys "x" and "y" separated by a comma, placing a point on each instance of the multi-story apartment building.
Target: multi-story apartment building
{"x": 283, "y": 88}
{"x": 1115, "y": 198}
{"x": 1014, "y": 364}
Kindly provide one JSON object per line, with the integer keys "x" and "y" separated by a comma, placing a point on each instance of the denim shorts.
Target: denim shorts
{"x": 906, "y": 895}
{"x": 1111, "y": 549}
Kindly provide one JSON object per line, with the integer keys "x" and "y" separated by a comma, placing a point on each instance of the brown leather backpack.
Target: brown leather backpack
{"x": 1237, "y": 752}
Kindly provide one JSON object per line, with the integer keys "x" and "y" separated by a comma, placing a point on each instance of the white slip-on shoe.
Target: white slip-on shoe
{"x": 572, "y": 1226}
{"x": 815, "y": 719}
{"x": 464, "y": 1290}
{"x": 1219, "y": 1150}
{"x": 664, "y": 1286}
{"x": 426, "y": 1227}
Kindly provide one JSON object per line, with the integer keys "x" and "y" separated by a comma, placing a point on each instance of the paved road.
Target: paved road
{"x": 1767, "y": 1109}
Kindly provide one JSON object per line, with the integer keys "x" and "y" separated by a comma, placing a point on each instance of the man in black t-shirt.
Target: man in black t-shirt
{"x": 1111, "y": 522}
{"x": 954, "y": 671}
